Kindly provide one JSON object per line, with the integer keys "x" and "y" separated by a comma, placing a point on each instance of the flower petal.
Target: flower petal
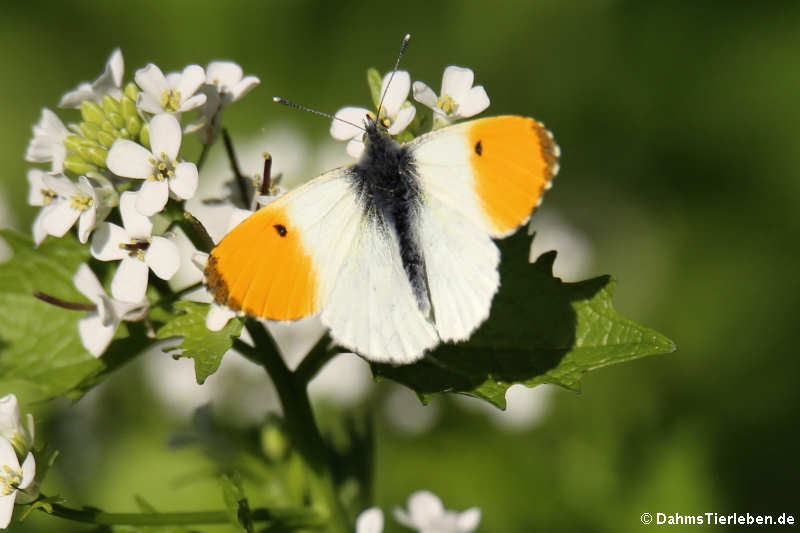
{"x": 425, "y": 95}
{"x": 425, "y": 507}
{"x": 8, "y": 456}
{"x": 36, "y": 186}
{"x": 473, "y": 102}
{"x": 468, "y": 520}
{"x": 355, "y": 148}
{"x": 130, "y": 281}
{"x": 129, "y": 159}
{"x": 87, "y": 283}
{"x": 192, "y": 77}
{"x": 106, "y": 241}
{"x": 397, "y": 92}
{"x": 149, "y": 103}
{"x": 456, "y": 81}
{"x": 60, "y": 219}
{"x": 195, "y": 101}
{"x": 162, "y": 257}
{"x": 47, "y": 142}
{"x": 370, "y": 521}
{"x": 86, "y": 223}
{"x": 243, "y": 87}
{"x": 152, "y": 197}
{"x": 61, "y": 185}
{"x": 77, "y": 96}
{"x": 223, "y": 74}
{"x": 137, "y": 225}
{"x": 165, "y": 136}
{"x": 341, "y": 130}
{"x": 6, "y": 508}
{"x": 37, "y": 229}
{"x": 28, "y": 471}
{"x": 402, "y": 120}
{"x": 151, "y": 80}
{"x": 218, "y": 316}
{"x": 184, "y": 183}
{"x": 10, "y": 417}
{"x": 115, "y": 67}
{"x": 95, "y": 335}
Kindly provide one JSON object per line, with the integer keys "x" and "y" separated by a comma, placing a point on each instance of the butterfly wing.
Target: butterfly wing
{"x": 314, "y": 250}
{"x": 480, "y": 179}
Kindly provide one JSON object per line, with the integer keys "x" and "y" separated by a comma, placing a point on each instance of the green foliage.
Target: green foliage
{"x": 541, "y": 330}
{"x": 204, "y": 346}
{"x": 236, "y": 503}
{"x": 40, "y": 352}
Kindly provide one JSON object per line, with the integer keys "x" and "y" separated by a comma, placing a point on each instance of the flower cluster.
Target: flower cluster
{"x": 16, "y": 444}
{"x": 127, "y": 133}
{"x": 425, "y": 513}
{"x": 458, "y": 100}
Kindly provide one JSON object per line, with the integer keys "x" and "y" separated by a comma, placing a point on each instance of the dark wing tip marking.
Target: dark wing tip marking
{"x": 281, "y": 229}
{"x": 217, "y": 286}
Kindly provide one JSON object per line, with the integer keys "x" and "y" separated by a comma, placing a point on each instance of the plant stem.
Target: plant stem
{"x": 301, "y": 426}
{"x": 297, "y": 517}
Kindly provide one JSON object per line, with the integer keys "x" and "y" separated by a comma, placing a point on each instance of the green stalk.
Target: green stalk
{"x": 300, "y": 425}
{"x": 299, "y": 518}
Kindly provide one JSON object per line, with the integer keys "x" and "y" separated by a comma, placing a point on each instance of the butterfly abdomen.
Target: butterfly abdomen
{"x": 390, "y": 193}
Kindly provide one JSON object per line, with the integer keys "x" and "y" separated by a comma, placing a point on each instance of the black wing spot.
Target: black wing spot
{"x": 281, "y": 229}
{"x": 478, "y": 148}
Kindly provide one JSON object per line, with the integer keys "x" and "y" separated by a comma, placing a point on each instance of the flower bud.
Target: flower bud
{"x": 98, "y": 156}
{"x": 92, "y": 112}
{"x": 76, "y": 164}
{"x": 115, "y": 118}
{"x": 110, "y": 105}
{"x": 132, "y": 91}
{"x": 106, "y": 139}
{"x": 89, "y": 130}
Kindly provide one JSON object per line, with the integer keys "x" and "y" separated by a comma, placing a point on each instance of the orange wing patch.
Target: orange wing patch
{"x": 262, "y": 269}
{"x": 513, "y": 160}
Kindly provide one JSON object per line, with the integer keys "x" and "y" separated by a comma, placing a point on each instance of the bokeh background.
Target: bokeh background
{"x": 679, "y": 127}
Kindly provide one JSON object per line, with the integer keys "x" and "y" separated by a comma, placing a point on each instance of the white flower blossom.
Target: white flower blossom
{"x": 225, "y": 84}
{"x": 427, "y": 514}
{"x": 138, "y": 250}
{"x": 11, "y": 428}
{"x": 160, "y": 169}
{"x": 459, "y": 99}
{"x": 13, "y": 478}
{"x": 97, "y": 328}
{"x": 370, "y": 521}
{"x": 109, "y": 82}
{"x": 73, "y": 203}
{"x": 174, "y": 93}
{"x": 40, "y": 195}
{"x": 47, "y": 143}
{"x": 395, "y": 114}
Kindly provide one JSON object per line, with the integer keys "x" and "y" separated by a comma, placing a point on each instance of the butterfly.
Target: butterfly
{"x": 394, "y": 252}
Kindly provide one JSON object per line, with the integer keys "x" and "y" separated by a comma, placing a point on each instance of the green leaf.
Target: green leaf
{"x": 204, "y": 346}
{"x": 41, "y": 355}
{"x": 541, "y": 330}
{"x": 236, "y": 503}
{"x": 40, "y": 351}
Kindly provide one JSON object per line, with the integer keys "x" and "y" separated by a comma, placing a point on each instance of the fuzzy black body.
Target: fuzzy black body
{"x": 388, "y": 189}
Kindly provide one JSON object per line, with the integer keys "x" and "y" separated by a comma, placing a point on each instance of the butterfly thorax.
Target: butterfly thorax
{"x": 389, "y": 192}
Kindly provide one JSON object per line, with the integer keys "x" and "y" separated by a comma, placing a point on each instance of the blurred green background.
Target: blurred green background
{"x": 679, "y": 127}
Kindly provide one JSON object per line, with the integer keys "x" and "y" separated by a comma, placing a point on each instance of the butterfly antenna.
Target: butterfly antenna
{"x": 403, "y": 47}
{"x": 284, "y": 101}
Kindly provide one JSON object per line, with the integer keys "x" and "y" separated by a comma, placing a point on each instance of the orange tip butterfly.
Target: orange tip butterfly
{"x": 394, "y": 252}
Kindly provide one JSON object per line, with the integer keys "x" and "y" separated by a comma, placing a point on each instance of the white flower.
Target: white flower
{"x": 225, "y": 83}
{"x": 395, "y": 115}
{"x": 13, "y": 478}
{"x": 370, "y": 521}
{"x": 11, "y": 428}
{"x": 73, "y": 203}
{"x": 229, "y": 80}
{"x": 459, "y": 99}
{"x": 40, "y": 195}
{"x": 97, "y": 328}
{"x": 427, "y": 514}
{"x": 109, "y": 82}
{"x": 47, "y": 143}
{"x": 159, "y": 168}
{"x": 137, "y": 249}
{"x": 174, "y": 93}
